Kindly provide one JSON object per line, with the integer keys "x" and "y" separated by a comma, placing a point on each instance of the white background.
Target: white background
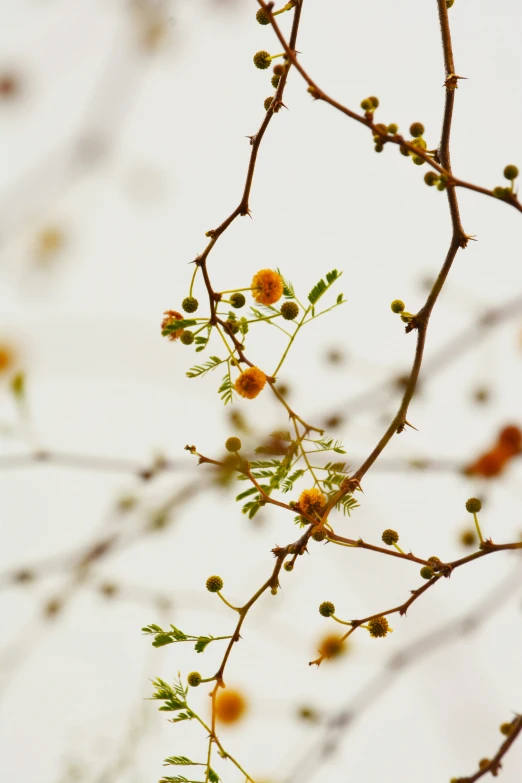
{"x": 101, "y": 381}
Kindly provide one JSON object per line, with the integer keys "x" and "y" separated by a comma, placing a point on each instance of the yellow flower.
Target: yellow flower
{"x": 170, "y": 317}
{"x": 312, "y": 500}
{"x": 378, "y": 627}
{"x": 250, "y": 383}
{"x": 230, "y": 706}
{"x": 267, "y": 287}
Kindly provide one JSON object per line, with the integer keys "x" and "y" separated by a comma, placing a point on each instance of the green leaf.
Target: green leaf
{"x": 162, "y": 639}
{"x": 213, "y": 776}
{"x": 202, "y": 643}
{"x": 181, "y": 716}
{"x": 246, "y": 493}
{"x": 201, "y": 369}
{"x": 175, "y": 325}
{"x": 226, "y": 390}
{"x": 329, "y": 444}
{"x": 339, "y": 299}
{"x": 347, "y": 503}
{"x": 321, "y": 287}
{"x": 172, "y": 706}
{"x": 182, "y": 761}
{"x": 288, "y": 484}
{"x": 281, "y": 435}
{"x": 288, "y": 289}
{"x": 152, "y": 629}
{"x": 336, "y": 467}
{"x": 251, "y": 508}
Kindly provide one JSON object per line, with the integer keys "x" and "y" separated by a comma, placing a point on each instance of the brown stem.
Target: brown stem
{"x": 494, "y": 765}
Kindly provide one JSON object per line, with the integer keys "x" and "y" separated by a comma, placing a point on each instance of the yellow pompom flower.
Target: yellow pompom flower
{"x": 250, "y": 383}
{"x": 230, "y": 706}
{"x": 312, "y": 500}
{"x": 267, "y": 287}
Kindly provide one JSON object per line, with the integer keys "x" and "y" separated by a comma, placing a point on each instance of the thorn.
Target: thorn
{"x": 451, "y": 81}
{"x": 410, "y": 425}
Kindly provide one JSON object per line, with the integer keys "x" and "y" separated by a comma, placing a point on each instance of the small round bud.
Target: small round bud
{"x": 366, "y": 104}
{"x": 416, "y": 129}
{"x": 397, "y": 306}
{"x": 262, "y": 59}
{"x": 289, "y": 311}
{"x": 393, "y": 128}
{"x": 511, "y": 172}
{"x": 449, "y": 3}
{"x": 419, "y": 142}
{"x": 187, "y": 338}
{"x": 275, "y": 81}
{"x": 233, "y": 444}
{"x": 473, "y": 505}
{"x": 232, "y": 326}
{"x": 405, "y": 318}
{"x": 268, "y": 102}
{"x": 194, "y": 679}
{"x": 442, "y": 185}
{"x": 499, "y": 192}
{"x": 434, "y": 562}
{"x": 327, "y": 609}
{"x": 430, "y": 178}
{"x": 484, "y": 763}
{"x": 390, "y": 537}
{"x": 288, "y": 566}
{"x": 262, "y": 16}
{"x": 404, "y": 150}
{"x": 189, "y": 304}
{"x": 378, "y": 627}
{"x": 237, "y": 300}
{"x": 426, "y": 572}
{"x": 274, "y": 590}
{"x": 320, "y": 535}
{"x": 379, "y": 147}
{"x": 278, "y": 69}
{"x": 506, "y": 729}
{"x": 214, "y": 584}
{"x": 374, "y": 101}
{"x": 418, "y": 161}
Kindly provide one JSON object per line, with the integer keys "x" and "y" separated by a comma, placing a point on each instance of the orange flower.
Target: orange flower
{"x": 331, "y": 646}
{"x": 312, "y": 500}
{"x": 510, "y": 440}
{"x": 170, "y": 317}
{"x": 230, "y": 706}
{"x": 6, "y": 357}
{"x": 250, "y": 383}
{"x": 488, "y": 465}
{"x": 267, "y": 287}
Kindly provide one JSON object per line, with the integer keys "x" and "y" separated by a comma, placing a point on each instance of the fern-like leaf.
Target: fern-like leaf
{"x": 321, "y": 287}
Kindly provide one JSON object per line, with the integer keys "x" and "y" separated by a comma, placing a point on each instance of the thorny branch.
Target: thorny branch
{"x": 418, "y": 322}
